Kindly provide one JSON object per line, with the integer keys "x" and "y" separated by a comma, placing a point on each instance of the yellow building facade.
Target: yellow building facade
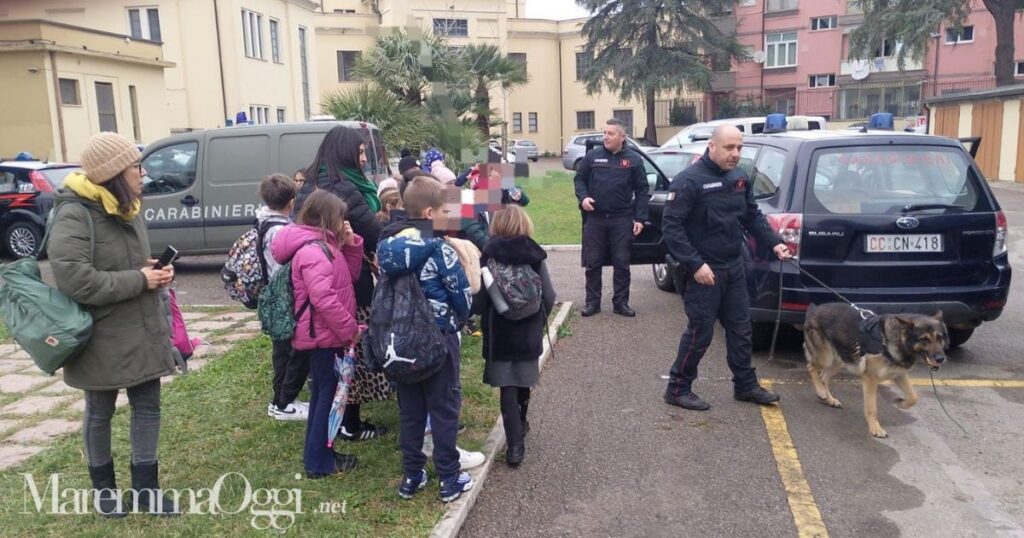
{"x": 196, "y": 64}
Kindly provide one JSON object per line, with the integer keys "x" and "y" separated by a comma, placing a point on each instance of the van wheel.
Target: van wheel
{"x": 22, "y": 239}
{"x": 957, "y": 337}
{"x": 663, "y": 277}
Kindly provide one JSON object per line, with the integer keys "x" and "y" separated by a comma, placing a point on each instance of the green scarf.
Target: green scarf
{"x": 366, "y": 187}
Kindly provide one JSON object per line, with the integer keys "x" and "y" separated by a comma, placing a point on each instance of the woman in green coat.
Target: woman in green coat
{"x": 99, "y": 252}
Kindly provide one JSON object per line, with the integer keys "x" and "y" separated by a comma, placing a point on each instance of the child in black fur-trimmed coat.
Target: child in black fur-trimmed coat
{"x": 512, "y": 348}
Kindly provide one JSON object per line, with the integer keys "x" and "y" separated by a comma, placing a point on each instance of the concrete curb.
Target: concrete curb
{"x": 562, "y": 248}
{"x": 458, "y": 511}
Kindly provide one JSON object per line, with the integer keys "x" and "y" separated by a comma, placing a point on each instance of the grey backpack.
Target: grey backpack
{"x": 518, "y": 287}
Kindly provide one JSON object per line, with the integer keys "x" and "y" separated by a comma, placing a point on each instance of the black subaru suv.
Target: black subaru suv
{"x": 895, "y": 222}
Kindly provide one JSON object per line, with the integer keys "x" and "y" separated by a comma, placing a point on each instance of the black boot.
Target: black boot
{"x": 148, "y": 498}
{"x": 109, "y": 502}
{"x": 514, "y": 454}
{"x": 524, "y": 406}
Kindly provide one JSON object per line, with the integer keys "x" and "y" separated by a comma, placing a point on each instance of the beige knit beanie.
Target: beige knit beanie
{"x": 107, "y": 155}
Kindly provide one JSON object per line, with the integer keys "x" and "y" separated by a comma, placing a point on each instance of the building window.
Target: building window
{"x": 346, "y": 64}
{"x": 1017, "y": 72}
{"x": 252, "y": 34}
{"x": 821, "y": 81}
{"x": 780, "y": 49}
{"x": 275, "y": 41}
{"x": 627, "y": 117}
{"x": 964, "y": 35}
{"x": 533, "y": 122}
{"x": 583, "y": 63}
{"x": 133, "y": 99}
{"x": 105, "y": 106}
{"x": 451, "y": 27}
{"x": 304, "y": 67}
{"x": 69, "y": 92}
{"x": 854, "y": 7}
{"x": 823, "y": 23}
{"x": 280, "y": 115}
{"x": 584, "y": 120}
{"x": 144, "y": 23}
{"x": 858, "y": 102}
{"x": 258, "y": 114}
{"x": 779, "y": 5}
{"x": 517, "y": 122}
{"x": 887, "y": 49}
{"x": 519, "y": 58}
{"x": 785, "y": 105}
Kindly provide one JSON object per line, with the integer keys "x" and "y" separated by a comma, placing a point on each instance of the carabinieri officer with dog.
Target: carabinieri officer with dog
{"x": 709, "y": 205}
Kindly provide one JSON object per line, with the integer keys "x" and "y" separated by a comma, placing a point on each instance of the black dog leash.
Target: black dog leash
{"x": 864, "y": 313}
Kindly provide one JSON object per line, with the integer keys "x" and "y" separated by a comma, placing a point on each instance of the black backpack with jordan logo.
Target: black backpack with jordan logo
{"x": 403, "y": 339}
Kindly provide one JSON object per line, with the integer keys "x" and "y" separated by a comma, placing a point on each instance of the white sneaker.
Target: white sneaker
{"x": 468, "y": 460}
{"x": 292, "y": 412}
{"x": 304, "y": 405}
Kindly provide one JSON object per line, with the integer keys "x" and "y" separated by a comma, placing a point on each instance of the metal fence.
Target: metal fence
{"x": 678, "y": 112}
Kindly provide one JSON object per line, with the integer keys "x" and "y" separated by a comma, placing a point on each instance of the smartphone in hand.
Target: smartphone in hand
{"x": 166, "y": 258}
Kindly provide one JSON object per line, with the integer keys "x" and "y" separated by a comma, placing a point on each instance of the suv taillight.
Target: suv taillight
{"x": 1000, "y": 245}
{"x": 788, "y": 226}
{"x": 39, "y": 181}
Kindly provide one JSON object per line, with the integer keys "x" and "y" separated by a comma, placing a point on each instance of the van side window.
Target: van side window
{"x": 757, "y": 128}
{"x": 813, "y": 125}
{"x": 170, "y": 169}
{"x": 768, "y": 172}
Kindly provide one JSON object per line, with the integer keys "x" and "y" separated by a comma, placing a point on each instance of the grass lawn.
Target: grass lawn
{"x": 553, "y": 208}
{"x": 214, "y": 422}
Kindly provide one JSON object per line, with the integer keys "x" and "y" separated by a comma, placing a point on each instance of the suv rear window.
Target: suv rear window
{"x": 56, "y": 176}
{"x": 886, "y": 180}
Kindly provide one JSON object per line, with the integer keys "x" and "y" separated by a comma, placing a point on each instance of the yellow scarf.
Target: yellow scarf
{"x": 80, "y": 185}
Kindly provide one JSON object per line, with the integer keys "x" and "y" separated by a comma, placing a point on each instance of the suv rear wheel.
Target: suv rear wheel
{"x": 576, "y": 165}
{"x": 957, "y": 337}
{"x": 22, "y": 239}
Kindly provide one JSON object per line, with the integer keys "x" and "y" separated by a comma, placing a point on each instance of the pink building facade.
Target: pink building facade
{"x": 800, "y": 66}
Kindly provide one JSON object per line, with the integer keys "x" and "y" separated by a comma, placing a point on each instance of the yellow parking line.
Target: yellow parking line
{"x": 922, "y": 381}
{"x": 806, "y": 515}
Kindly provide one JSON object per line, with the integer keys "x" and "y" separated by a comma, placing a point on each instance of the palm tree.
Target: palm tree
{"x": 488, "y": 68}
{"x": 641, "y": 48}
{"x": 401, "y": 124}
{"x": 405, "y": 66}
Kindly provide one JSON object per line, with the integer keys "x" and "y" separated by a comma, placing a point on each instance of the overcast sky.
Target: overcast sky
{"x": 554, "y": 9}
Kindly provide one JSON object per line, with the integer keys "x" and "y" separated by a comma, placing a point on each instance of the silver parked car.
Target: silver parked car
{"x": 532, "y": 153}
{"x": 577, "y": 148}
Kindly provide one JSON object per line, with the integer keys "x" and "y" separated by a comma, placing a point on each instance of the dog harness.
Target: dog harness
{"x": 871, "y": 337}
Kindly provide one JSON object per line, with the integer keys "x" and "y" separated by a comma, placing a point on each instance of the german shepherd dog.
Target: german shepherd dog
{"x": 879, "y": 348}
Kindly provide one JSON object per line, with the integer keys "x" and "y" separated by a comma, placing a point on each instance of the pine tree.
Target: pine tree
{"x": 641, "y": 48}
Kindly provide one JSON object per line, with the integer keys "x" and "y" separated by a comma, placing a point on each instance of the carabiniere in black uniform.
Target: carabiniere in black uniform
{"x": 618, "y": 184}
{"x": 705, "y": 215}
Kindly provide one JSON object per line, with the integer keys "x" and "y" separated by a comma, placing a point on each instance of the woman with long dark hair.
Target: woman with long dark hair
{"x": 99, "y": 252}
{"x": 338, "y": 169}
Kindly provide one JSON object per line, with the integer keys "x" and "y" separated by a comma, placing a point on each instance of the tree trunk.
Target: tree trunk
{"x": 1003, "y": 13}
{"x": 483, "y": 102}
{"x": 651, "y": 132}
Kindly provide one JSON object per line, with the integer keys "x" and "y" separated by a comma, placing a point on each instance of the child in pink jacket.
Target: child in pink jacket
{"x": 325, "y": 257}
